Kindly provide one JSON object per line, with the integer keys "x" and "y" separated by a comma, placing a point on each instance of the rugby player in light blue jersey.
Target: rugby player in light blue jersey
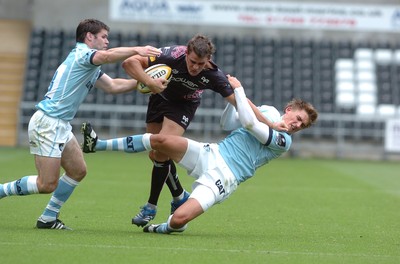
{"x": 50, "y": 134}
{"x": 220, "y": 167}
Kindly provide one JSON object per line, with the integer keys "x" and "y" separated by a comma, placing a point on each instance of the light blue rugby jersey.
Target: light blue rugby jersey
{"x": 72, "y": 81}
{"x": 243, "y": 153}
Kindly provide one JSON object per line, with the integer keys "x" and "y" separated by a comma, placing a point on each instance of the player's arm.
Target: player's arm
{"x": 134, "y": 66}
{"x": 115, "y": 86}
{"x": 248, "y": 119}
{"x": 279, "y": 126}
{"x": 121, "y": 53}
{"x": 229, "y": 118}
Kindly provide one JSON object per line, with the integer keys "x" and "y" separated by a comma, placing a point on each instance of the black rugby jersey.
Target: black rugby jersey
{"x": 183, "y": 86}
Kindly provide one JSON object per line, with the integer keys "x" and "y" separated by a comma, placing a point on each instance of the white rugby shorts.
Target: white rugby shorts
{"x": 204, "y": 162}
{"x": 48, "y": 135}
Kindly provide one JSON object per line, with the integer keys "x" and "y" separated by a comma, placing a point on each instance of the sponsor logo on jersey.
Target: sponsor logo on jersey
{"x": 187, "y": 83}
{"x": 178, "y": 51}
{"x": 195, "y": 95}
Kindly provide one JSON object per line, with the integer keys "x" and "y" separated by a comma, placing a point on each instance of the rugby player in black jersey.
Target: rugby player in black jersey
{"x": 171, "y": 110}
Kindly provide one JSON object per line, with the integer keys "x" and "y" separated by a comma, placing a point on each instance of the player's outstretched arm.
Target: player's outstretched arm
{"x": 121, "y": 53}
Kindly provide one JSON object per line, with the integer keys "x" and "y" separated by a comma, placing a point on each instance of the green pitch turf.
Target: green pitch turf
{"x": 292, "y": 211}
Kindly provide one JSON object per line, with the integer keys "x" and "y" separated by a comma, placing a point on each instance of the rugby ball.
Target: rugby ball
{"x": 155, "y": 71}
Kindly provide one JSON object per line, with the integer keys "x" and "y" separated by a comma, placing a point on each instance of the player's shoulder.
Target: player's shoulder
{"x": 82, "y": 54}
{"x": 214, "y": 72}
{"x": 270, "y": 112}
{"x": 174, "y": 51}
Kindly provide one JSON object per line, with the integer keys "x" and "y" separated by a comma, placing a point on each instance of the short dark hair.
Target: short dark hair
{"x": 93, "y": 26}
{"x": 201, "y": 45}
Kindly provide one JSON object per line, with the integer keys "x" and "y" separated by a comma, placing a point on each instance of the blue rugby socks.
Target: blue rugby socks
{"x": 24, "y": 186}
{"x": 131, "y": 144}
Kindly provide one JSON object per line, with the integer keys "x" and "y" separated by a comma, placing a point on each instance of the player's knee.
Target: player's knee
{"x": 48, "y": 186}
{"x": 77, "y": 173}
{"x": 178, "y": 220}
{"x": 158, "y": 140}
{"x": 81, "y": 173}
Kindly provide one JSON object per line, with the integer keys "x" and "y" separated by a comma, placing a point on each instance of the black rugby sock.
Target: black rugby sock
{"x": 158, "y": 176}
{"x": 173, "y": 182}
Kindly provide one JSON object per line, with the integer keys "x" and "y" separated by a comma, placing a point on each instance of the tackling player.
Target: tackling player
{"x": 171, "y": 111}
{"x": 50, "y": 134}
{"x": 220, "y": 167}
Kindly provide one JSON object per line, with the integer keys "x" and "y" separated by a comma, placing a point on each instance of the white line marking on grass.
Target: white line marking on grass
{"x": 276, "y": 252}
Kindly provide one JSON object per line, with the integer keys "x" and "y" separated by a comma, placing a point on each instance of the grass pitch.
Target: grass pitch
{"x": 292, "y": 211}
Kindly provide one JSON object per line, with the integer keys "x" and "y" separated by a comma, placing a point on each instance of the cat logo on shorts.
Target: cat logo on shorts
{"x": 61, "y": 147}
{"x": 220, "y": 187}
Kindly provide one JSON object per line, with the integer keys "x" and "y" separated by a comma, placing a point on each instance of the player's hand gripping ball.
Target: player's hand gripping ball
{"x": 155, "y": 71}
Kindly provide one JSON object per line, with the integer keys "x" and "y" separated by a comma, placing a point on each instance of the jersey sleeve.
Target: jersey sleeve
{"x": 229, "y": 118}
{"x": 169, "y": 55}
{"x": 220, "y": 84}
{"x": 85, "y": 57}
{"x": 280, "y": 141}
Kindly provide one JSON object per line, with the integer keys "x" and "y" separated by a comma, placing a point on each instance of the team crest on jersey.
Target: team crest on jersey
{"x": 206, "y": 147}
{"x": 185, "y": 120}
{"x": 152, "y": 58}
{"x": 281, "y": 140}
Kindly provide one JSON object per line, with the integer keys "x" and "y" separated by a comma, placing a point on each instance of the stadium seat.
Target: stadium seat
{"x": 345, "y": 100}
{"x": 387, "y": 110}
{"x": 366, "y": 110}
{"x": 363, "y": 54}
{"x": 365, "y": 65}
{"x": 383, "y": 56}
{"x": 344, "y": 49}
{"x": 396, "y": 57}
{"x": 333, "y": 75}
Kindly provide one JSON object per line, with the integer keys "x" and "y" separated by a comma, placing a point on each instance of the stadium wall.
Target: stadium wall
{"x": 64, "y": 15}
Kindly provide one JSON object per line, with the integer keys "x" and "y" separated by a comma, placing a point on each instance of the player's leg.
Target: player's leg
{"x": 45, "y": 182}
{"x": 186, "y": 213}
{"x": 149, "y": 210}
{"x": 91, "y": 142}
{"x": 74, "y": 166}
{"x": 200, "y": 200}
{"x": 47, "y": 160}
{"x": 163, "y": 168}
{"x": 179, "y": 195}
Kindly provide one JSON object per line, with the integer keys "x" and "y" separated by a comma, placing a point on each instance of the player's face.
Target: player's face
{"x": 296, "y": 120}
{"x": 195, "y": 64}
{"x": 100, "y": 40}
